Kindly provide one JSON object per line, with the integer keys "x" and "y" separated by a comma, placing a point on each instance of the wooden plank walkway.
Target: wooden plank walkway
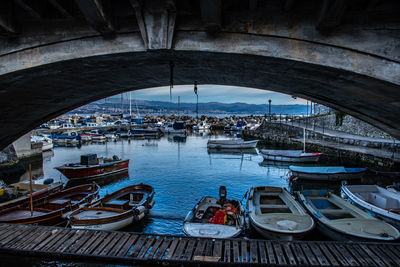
{"x": 139, "y": 248}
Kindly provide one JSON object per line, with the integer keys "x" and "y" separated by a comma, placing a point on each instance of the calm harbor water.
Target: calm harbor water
{"x": 181, "y": 170}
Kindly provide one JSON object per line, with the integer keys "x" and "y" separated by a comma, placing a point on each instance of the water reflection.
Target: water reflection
{"x": 249, "y": 151}
{"x": 102, "y": 181}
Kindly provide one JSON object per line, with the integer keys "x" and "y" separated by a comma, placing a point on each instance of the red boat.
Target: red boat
{"x": 91, "y": 166}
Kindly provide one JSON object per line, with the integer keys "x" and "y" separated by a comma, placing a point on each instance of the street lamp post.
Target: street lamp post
{"x": 269, "y": 109}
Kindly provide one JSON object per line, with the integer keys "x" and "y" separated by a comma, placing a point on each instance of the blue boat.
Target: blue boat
{"x": 329, "y": 173}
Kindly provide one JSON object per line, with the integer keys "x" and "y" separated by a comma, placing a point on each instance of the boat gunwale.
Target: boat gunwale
{"x": 66, "y": 167}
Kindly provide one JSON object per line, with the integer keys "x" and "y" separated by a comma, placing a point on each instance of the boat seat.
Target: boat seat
{"x": 59, "y": 201}
{"x": 273, "y": 206}
{"x": 383, "y": 201}
{"x": 333, "y": 211}
{"x": 116, "y": 203}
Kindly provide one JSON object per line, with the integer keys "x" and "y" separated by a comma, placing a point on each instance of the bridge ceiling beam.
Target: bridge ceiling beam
{"x": 95, "y": 14}
{"x": 30, "y": 10}
{"x": 156, "y": 20}
{"x": 253, "y": 5}
{"x": 330, "y": 15}
{"x": 60, "y": 9}
{"x": 7, "y": 24}
{"x": 211, "y": 13}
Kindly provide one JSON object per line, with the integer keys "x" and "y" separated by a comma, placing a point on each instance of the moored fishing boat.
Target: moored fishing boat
{"x": 289, "y": 155}
{"x": 231, "y": 144}
{"x": 330, "y": 173}
{"x": 340, "y": 220}
{"x": 21, "y": 191}
{"x": 215, "y": 218}
{"x": 91, "y": 166}
{"x": 116, "y": 210}
{"x": 374, "y": 199}
{"x": 51, "y": 210}
{"x": 275, "y": 214}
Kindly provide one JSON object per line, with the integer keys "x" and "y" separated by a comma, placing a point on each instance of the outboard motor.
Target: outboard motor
{"x": 222, "y": 194}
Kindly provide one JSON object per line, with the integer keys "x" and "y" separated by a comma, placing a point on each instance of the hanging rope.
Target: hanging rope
{"x": 171, "y": 78}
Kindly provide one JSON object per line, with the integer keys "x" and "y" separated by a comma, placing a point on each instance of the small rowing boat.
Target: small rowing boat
{"x": 327, "y": 173}
{"x": 215, "y": 218}
{"x": 91, "y": 166}
{"x": 231, "y": 144}
{"x": 289, "y": 155}
{"x": 342, "y": 221}
{"x": 116, "y": 210}
{"x": 51, "y": 210}
{"x": 275, "y": 214}
{"x": 374, "y": 199}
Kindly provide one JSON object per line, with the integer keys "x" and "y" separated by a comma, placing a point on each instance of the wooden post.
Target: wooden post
{"x": 30, "y": 188}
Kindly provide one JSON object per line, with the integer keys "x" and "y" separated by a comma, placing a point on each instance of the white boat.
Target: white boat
{"x": 47, "y": 143}
{"x": 215, "y": 218}
{"x": 116, "y": 210}
{"x": 342, "y": 221}
{"x": 289, "y": 155}
{"x": 275, "y": 214}
{"x": 328, "y": 173}
{"x": 175, "y": 127}
{"x": 374, "y": 199}
{"x": 231, "y": 143}
{"x": 201, "y": 126}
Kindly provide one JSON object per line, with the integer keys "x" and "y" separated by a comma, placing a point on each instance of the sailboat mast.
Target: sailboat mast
{"x": 179, "y": 104}
{"x": 130, "y": 104}
{"x": 30, "y": 189}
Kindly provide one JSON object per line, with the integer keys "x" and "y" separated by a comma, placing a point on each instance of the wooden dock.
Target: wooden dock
{"x": 138, "y": 248}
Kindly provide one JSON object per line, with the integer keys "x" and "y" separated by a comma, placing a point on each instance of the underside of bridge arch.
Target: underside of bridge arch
{"x": 34, "y": 95}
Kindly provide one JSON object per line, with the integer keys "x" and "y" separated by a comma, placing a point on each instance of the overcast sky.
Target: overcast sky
{"x": 214, "y": 93}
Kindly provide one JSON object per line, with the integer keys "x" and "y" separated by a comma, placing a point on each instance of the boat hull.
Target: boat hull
{"x": 245, "y": 144}
{"x": 106, "y": 226}
{"x": 276, "y": 235}
{"x": 328, "y": 177}
{"x": 94, "y": 171}
{"x": 210, "y": 230}
{"x": 309, "y": 159}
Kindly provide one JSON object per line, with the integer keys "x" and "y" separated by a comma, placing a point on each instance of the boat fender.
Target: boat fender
{"x": 140, "y": 216}
{"x": 139, "y": 210}
{"x": 151, "y": 204}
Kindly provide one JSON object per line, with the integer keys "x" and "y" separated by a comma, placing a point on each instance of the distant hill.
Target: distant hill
{"x": 148, "y": 107}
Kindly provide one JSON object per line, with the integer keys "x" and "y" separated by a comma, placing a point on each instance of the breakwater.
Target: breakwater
{"x": 339, "y": 147}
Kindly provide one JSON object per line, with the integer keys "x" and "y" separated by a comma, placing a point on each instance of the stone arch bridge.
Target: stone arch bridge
{"x": 56, "y": 55}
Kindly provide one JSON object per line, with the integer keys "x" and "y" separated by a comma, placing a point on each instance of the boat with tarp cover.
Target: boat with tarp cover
{"x": 374, "y": 199}
{"x": 275, "y": 214}
{"x": 51, "y": 210}
{"x": 330, "y": 173}
{"x": 115, "y": 211}
{"x": 342, "y": 221}
{"x": 289, "y": 155}
{"x": 91, "y": 166}
{"x": 215, "y": 218}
